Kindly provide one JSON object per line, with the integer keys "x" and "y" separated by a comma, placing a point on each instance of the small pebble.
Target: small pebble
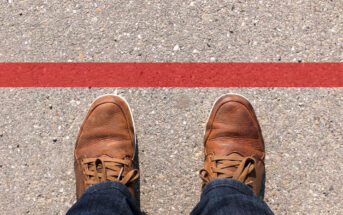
{"x": 176, "y": 48}
{"x": 94, "y": 19}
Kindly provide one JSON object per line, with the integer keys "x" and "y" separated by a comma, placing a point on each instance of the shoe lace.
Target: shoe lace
{"x": 102, "y": 169}
{"x": 232, "y": 166}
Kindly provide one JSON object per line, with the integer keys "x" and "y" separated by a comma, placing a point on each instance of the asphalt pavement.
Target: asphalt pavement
{"x": 302, "y": 127}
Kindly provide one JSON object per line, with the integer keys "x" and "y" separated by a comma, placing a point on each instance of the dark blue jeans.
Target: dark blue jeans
{"x": 220, "y": 196}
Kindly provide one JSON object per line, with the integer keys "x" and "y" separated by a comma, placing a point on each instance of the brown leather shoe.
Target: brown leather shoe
{"x": 233, "y": 143}
{"x": 105, "y": 147}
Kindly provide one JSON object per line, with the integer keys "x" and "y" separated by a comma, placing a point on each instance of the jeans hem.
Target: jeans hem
{"x": 229, "y": 183}
{"x": 102, "y": 186}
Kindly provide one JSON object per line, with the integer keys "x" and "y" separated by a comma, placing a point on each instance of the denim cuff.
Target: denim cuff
{"x": 229, "y": 184}
{"x": 114, "y": 186}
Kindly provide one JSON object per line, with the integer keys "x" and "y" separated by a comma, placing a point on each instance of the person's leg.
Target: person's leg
{"x": 106, "y": 198}
{"x": 104, "y": 152}
{"x": 229, "y": 196}
{"x": 233, "y": 174}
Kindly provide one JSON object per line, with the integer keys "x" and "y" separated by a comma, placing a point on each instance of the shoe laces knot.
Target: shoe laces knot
{"x": 232, "y": 166}
{"x": 111, "y": 169}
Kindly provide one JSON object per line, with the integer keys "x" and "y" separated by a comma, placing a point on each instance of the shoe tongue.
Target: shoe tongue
{"x": 99, "y": 166}
{"x": 231, "y": 168}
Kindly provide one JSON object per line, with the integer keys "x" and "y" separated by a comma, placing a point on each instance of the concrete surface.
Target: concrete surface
{"x": 302, "y": 127}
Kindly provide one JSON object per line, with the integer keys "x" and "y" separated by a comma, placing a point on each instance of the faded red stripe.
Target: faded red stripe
{"x": 171, "y": 74}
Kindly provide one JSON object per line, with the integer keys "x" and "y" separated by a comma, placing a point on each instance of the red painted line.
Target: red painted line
{"x": 171, "y": 74}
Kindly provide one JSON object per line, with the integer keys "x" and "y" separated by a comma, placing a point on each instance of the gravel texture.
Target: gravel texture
{"x": 302, "y": 126}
